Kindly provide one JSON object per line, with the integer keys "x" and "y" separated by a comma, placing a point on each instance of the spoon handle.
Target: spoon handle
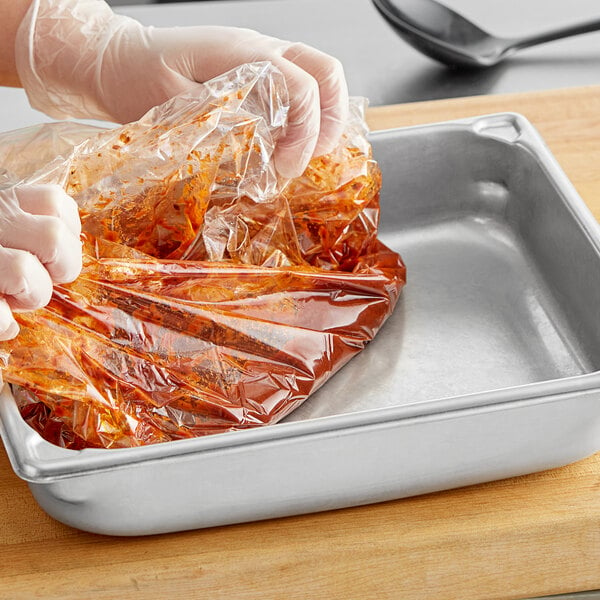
{"x": 557, "y": 34}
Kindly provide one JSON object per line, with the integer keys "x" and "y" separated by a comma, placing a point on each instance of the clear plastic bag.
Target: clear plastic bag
{"x": 213, "y": 296}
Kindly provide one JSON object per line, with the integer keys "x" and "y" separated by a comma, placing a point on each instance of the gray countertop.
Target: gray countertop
{"x": 384, "y": 68}
{"x": 380, "y": 65}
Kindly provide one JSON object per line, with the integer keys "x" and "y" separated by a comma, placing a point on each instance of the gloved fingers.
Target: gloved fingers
{"x": 24, "y": 282}
{"x": 50, "y": 240}
{"x": 296, "y": 147}
{"x": 50, "y": 200}
{"x": 9, "y": 328}
{"x": 333, "y": 91}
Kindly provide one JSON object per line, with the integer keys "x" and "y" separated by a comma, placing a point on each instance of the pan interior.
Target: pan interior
{"x": 501, "y": 277}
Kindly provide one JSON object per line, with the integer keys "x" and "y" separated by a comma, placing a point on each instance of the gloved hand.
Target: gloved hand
{"x": 76, "y": 58}
{"x": 39, "y": 246}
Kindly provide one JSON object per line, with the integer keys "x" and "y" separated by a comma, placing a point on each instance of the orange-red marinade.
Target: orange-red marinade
{"x": 211, "y": 299}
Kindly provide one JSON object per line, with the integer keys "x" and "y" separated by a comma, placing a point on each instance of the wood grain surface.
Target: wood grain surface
{"x": 517, "y": 538}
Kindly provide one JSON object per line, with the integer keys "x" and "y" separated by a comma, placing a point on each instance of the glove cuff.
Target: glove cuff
{"x": 59, "y": 50}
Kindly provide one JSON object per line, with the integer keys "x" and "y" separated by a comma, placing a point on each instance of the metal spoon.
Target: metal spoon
{"x": 446, "y": 36}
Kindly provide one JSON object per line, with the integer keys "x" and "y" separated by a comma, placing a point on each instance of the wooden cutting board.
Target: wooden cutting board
{"x": 517, "y": 538}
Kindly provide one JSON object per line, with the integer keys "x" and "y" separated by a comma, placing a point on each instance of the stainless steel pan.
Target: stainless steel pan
{"x": 487, "y": 369}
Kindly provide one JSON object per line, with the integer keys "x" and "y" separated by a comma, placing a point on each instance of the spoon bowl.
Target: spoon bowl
{"x": 448, "y": 37}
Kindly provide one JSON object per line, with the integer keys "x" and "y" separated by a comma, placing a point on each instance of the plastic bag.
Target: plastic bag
{"x": 213, "y": 296}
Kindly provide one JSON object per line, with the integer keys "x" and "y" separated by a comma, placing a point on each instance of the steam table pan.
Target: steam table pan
{"x": 487, "y": 369}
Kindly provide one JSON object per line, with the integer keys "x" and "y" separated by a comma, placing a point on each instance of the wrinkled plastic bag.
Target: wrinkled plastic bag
{"x": 213, "y": 296}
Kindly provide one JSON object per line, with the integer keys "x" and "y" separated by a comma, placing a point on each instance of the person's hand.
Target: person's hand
{"x": 39, "y": 246}
{"x": 76, "y": 58}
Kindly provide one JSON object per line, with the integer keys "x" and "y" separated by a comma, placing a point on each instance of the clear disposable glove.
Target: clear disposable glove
{"x": 76, "y": 58}
{"x": 39, "y": 246}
